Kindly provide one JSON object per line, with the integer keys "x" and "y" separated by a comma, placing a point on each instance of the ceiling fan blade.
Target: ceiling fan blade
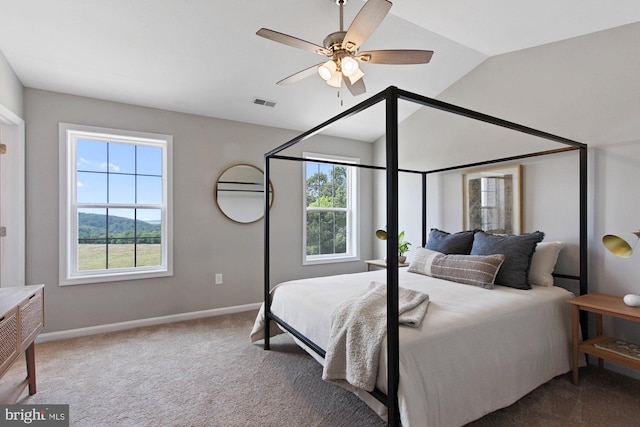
{"x": 365, "y": 23}
{"x": 357, "y": 88}
{"x": 292, "y": 41}
{"x": 396, "y": 56}
{"x": 294, "y": 78}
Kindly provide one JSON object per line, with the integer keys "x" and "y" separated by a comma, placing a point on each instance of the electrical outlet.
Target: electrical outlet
{"x": 219, "y": 279}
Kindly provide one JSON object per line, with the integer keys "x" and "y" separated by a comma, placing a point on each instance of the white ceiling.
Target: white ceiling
{"x": 203, "y": 57}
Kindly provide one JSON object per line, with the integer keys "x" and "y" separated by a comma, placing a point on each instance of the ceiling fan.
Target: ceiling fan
{"x": 341, "y": 47}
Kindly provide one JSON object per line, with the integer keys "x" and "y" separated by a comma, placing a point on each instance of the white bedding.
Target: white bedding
{"x": 476, "y": 351}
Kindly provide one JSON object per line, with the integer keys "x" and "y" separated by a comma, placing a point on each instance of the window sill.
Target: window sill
{"x": 114, "y": 277}
{"x": 335, "y": 260}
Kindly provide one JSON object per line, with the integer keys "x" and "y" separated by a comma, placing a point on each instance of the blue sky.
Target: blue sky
{"x": 119, "y": 173}
{"x": 313, "y": 168}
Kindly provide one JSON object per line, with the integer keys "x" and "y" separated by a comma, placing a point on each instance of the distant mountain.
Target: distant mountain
{"x": 92, "y": 228}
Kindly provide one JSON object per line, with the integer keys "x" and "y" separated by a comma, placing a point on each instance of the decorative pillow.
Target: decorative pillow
{"x": 447, "y": 243}
{"x": 543, "y": 263}
{"x": 518, "y": 250}
{"x": 474, "y": 270}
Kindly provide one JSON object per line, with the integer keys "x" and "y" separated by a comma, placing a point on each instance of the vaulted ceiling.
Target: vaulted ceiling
{"x": 203, "y": 56}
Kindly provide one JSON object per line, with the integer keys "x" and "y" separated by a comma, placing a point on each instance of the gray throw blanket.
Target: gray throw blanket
{"x": 358, "y": 327}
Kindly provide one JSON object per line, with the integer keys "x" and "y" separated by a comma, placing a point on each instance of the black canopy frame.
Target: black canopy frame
{"x": 390, "y": 97}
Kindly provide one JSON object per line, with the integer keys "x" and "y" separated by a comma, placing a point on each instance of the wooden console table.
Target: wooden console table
{"x": 600, "y": 304}
{"x": 21, "y": 320}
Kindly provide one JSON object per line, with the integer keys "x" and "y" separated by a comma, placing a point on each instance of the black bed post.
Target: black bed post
{"x": 267, "y": 300}
{"x": 424, "y": 209}
{"x": 393, "y": 343}
{"x": 584, "y": 288}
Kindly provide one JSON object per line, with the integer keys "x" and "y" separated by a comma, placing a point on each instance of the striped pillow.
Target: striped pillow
{"x": 476, "y": 270}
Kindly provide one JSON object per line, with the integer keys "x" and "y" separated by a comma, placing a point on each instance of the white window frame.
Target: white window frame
{"x": 353, "y": 205}
{"x": 69, "y": 134}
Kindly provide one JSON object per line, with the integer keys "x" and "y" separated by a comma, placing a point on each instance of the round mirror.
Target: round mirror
{"x": 239, "y": 193}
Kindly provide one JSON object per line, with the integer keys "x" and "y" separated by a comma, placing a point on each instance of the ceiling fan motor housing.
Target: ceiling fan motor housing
{"x": 333, "y": 41}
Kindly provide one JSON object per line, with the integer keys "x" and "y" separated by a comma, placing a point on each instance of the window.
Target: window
{"x": 330, "y": 202}
{"x": 115, "y": 205}
{"x": 493, "y": 195}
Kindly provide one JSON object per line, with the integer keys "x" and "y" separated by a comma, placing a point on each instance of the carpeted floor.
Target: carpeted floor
{"x": 206, "y": 373}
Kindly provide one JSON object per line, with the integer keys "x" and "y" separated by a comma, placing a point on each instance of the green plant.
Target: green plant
{"x": 403, "y": 245}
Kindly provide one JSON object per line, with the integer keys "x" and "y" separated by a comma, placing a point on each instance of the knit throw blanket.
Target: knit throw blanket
{"x": 358, "y": 327}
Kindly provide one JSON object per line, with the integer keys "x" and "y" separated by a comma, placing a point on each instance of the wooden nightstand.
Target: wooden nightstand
{"x": 600, "y": 304}
{"x": 380, "y": 263}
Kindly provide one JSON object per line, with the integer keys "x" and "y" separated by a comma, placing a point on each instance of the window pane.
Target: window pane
{"x": 339, "y": 181}
{"x": 151, "y": 216}
{"x": 122, "y": 158}
{"x": 91, "y": 155}
{"x": 341, "y": 232}
{"x": 148, "y": 237}
{"x": 149, "y": 160}
{"x": 122, "y": 188}
{"x": 91, "y": 187}
{"x": 326, "y": 233}
{"x": 149, "y": 190}
{"x": 121, "y": 238}
{"x": 319, "y": 189}
{"x": 92, "y": 233}
{"x": 313, "y": 184}
{"x": 313, "y": 247}
{"x": 121, "y": 255}
{"x": 121, "y": 226}
{"x": 325, "y": 169}
{"x": 327, "y": 225}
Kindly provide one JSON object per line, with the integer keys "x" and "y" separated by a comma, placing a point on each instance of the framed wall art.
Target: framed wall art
{"x": 492, "y": 200}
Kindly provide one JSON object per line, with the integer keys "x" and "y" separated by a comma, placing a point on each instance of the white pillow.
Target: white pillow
{"x": 543, "y": 263}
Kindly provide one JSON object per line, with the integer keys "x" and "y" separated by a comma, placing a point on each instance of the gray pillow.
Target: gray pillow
{"x": 447, "y": 243}
{"x": 476, "y": 270}
{"x": 518, "y": 250}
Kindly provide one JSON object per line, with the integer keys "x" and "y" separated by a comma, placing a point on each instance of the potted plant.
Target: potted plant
{"x": 403, "y": 246}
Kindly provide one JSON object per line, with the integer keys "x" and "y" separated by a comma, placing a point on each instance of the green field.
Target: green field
{"x": 93, "y": 257}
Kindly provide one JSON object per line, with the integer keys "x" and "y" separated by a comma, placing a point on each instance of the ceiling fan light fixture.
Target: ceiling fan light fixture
{"x": 327, "y": 70}
{"x": 341, "y": 49}
{"x": 335, "y": 80}
{"x": 353, "y": 78}
{"x": 349, "y": 66}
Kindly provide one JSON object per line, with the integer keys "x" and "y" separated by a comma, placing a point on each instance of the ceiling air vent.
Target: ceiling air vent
{"x": 264, "y": 102}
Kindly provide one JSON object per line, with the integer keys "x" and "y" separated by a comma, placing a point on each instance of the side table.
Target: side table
{"x": 21, "y": 320}
{"x": 380, "y": 263}
{"x": 601, "y": 305}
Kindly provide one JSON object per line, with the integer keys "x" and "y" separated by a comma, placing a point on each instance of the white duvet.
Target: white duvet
{"x": 477, "y": 350}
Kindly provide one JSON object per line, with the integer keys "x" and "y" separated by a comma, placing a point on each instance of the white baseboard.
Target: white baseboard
{"x": 121, "y": 326}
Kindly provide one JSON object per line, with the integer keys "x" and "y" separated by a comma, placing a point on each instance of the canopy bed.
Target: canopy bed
{"x": 478, "y": 348}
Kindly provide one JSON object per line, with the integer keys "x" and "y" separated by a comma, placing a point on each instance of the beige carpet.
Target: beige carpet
{"x": 206, "y": 373}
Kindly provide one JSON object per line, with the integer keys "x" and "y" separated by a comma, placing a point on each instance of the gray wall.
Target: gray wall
{"x": 10, "y": 88}
{"x": 587, "y": 89}
{"x": 206, "y": 242}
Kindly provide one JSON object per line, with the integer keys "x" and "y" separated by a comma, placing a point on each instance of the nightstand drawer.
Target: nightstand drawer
{"x": 8, "y": 338}
{"x": 31, "y": 317}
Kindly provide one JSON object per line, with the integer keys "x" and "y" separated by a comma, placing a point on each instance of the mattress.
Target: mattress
{"x": 476, "y": 351}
